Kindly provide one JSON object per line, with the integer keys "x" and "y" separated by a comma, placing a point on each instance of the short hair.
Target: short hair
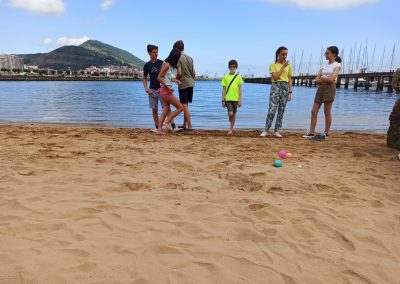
{"x": 233, "y": 62}
{"x": 179, "y": 45}
{"x": 151, "y": 47}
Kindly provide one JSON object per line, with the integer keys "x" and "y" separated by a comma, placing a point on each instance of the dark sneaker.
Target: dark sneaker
{"x": 309, "y": 135}
{"x": 318, "y": 137}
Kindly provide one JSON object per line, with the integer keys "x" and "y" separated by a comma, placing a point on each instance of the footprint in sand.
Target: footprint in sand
{"x": 256, "y": 206}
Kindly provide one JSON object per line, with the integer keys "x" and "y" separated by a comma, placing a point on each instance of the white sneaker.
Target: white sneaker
{"x": 277, "y": 135}
{"x": 264, "y": 134}
{"x": 177, "y": 130}
{"x": 154, "y": 130}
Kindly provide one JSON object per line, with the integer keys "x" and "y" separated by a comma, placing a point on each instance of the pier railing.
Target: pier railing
{"x": 378, "y": 80}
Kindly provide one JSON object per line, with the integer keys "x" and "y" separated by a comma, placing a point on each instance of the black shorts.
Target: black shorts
{"x": 231, "y": 106}
{"x": 186, "y": 95}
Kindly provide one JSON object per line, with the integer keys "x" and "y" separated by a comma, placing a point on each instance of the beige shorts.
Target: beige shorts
{"x": 326, "y": 93}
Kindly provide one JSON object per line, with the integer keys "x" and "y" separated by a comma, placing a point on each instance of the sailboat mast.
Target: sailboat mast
{"x": 301, "y": 61}
{"x": 309, "y": 65}
{"x": 383, "y": 57}
{"x": 391, "y": 61}
{"x": 373, "y": 58}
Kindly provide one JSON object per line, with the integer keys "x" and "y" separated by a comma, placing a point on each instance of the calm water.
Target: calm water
{"x": 124, "y": 104}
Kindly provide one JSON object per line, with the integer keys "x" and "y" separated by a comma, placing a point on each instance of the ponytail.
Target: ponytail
{"x": 335, "y": 52}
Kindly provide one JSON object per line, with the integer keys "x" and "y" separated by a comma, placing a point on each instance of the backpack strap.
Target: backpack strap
{"x": 230, "y": 84}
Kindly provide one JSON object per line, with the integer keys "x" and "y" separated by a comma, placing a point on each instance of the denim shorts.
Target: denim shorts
{"x": 154, "y": 97}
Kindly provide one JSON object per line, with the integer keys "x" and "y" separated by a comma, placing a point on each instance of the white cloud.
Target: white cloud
{"x": 324, "y": 4}
{"x": 47, "y": 41}
{"x": 72, "y": 41}
{"x": 49, "y": 7}
{"x": 106, "y": 4}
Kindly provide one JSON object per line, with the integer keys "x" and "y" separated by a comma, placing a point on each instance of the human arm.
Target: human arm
{"x": 332, "y": 78}
{"x": 146, "y": 88}
{"x": 278, "y": 73}
{"x": 318, "y": 79}
{"x": 223, "y": 95}
{"x": 290, "y": 88}
{"x": 163, "y": 71}
{"x": 240, "y": 96}
{"x": 179, "y": 73}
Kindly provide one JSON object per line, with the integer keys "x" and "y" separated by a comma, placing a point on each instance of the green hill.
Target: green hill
{"x": 90, "y": 53}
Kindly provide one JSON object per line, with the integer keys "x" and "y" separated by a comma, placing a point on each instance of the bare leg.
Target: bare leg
{"x": 328, "y": 116}
{"x": 314, "y": 116}
{"x": 166, "y": 110}
{"x": 232, "y": 119}
{"x": 187, "y": 122}
{"x": 179, "y": 108}
{"x": 155, "y": 116}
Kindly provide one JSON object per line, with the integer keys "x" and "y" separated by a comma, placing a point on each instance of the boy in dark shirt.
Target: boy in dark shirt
{"x": 151, "y": 70}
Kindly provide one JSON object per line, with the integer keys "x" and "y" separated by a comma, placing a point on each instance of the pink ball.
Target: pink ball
{"x": 289, "y": 155}
{"x": 282, "y": 154}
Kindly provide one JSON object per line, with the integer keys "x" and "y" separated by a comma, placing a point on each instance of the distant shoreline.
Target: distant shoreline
{"x": 80, "y": 79}
{"x": 57, "y": 78}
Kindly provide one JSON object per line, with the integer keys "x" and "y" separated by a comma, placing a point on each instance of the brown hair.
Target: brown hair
{"x": 151, "y": 47}
{"x": 335, "y": 52}
{"x": 233, "y": 62}
{"x": 179, "y": 45}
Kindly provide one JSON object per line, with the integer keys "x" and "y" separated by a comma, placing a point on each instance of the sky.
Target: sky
{"x": 214, "y": 31}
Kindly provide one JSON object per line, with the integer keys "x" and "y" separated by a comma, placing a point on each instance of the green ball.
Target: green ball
{"x": 278, "y": 163}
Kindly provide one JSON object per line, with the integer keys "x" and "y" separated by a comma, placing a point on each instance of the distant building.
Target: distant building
{"x": 11, "y": 61}
{"x": 31, "y": 67}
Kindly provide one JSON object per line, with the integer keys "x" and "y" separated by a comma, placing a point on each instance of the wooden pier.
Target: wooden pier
{"x": 378, "y": 81}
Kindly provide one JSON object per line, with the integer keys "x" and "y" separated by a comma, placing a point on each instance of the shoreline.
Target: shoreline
{"x": 197, "y": 130}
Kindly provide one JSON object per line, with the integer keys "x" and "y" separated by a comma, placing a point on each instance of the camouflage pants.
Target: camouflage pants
{"x": 277, "y": 100}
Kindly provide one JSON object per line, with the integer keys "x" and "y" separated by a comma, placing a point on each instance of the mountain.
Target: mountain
{"x": 90, "y": 53}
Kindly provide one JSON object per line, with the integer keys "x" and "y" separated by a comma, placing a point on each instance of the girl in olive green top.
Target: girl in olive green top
{"x": 281, "y": 90}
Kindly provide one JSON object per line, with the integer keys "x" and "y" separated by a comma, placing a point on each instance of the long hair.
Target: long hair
{"x": 335, "y": 51}
{"x": 282, "y": 48}
{"x": 173, "y": 57}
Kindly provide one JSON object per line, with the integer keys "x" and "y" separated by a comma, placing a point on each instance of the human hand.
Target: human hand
{"x": 289, "y": 97}
{"x": 240, "y": 103}
{"x": 148, "y": 91}
{"x": 223, "y": 104}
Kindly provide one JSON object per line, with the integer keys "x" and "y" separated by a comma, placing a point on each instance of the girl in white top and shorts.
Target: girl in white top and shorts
{"x": 326, "y": 81}
{"x": 166, "y": 77}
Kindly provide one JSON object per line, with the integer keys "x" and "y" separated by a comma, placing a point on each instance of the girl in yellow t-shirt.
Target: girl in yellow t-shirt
{"x": 281, "y": 90}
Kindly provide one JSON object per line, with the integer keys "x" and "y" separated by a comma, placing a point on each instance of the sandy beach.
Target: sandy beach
{"x": 84, "y": 204}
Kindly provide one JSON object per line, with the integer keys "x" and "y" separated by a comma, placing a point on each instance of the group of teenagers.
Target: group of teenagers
{"x": 178, "y": 68}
